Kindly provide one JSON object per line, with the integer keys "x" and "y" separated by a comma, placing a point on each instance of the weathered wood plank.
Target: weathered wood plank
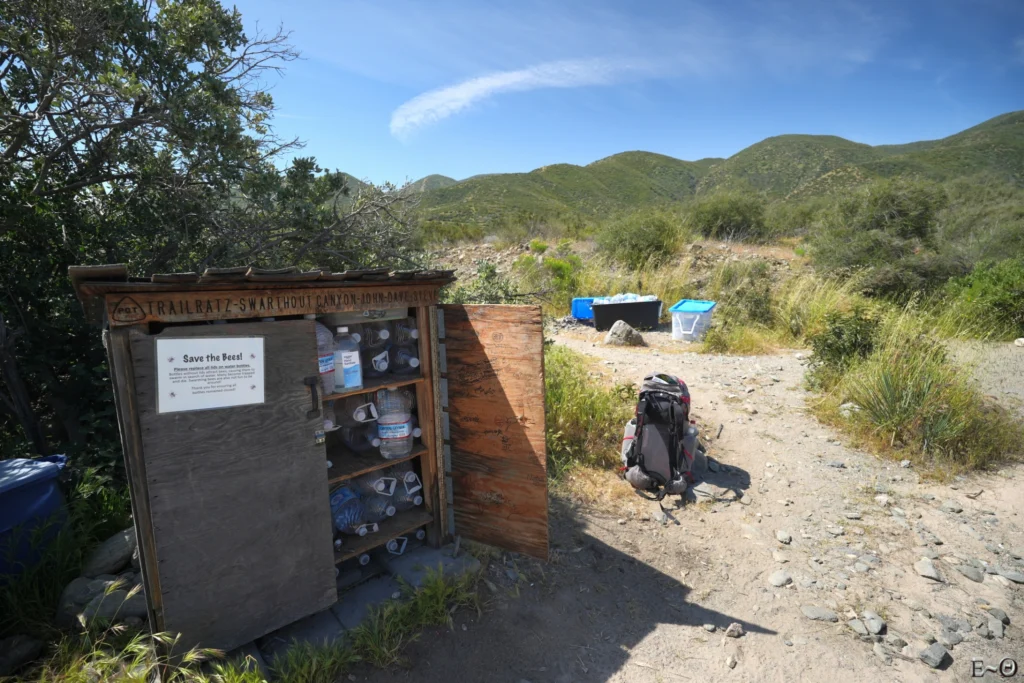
{"x": 496, "y": 411}
{"x": 425, "y": 399}
{"x": 179, "y": 305}
{"x": 239, "y": 496}
{"x": 119, "y": 360}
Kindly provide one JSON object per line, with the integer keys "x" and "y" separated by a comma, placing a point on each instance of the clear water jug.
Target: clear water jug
{"x": 394, "y": 422}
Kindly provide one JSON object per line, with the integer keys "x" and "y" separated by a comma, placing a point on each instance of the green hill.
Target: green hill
{"x": 781, "y": 167}
{"x": 433, "y": 181}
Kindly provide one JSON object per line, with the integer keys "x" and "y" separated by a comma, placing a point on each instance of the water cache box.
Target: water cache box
{"x": 221, "y": 415}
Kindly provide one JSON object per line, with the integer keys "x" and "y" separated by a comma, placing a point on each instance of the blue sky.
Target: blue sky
{"x": 397, "y": 89}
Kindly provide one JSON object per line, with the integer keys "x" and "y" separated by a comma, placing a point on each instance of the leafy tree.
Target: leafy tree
{"x": 139, "y": 132}
{"x": 641, "y": 237}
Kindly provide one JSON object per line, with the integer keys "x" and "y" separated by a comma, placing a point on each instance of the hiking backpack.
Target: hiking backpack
{"x": 660, "y": 446}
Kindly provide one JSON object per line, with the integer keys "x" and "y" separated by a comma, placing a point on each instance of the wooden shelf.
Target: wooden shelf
{"x": 399, "y": 525}
{"x": 348, "y": 464}
{"x": 389, "y": 382}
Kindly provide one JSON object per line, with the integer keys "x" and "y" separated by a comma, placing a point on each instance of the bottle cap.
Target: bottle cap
{"x": 380, "y": 485}
{"x": 390, "y": 511}
{"x": 375, "y": 442}
{"x": 415, "y": 334}
{"x": 414, "y": 362}
{"x": 359, "y": 414}
{"x": 384, "y": 334}
{"x": 418, "y": 500}
{"x": 357, "y": 337}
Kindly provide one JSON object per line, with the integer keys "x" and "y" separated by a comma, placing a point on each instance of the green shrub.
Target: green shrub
{"x": 912, "y": 398}
{"x": 584, "y": 419}
{"x": 641, "y": 238}
{"x": 438, "y": 232}
{"x": 488, "y": 287}
{"x": 791, "y": 217}
{"x": 994, "y": 293}
{"x": 538, "y": 246}
{"x": 848, "y": 338}
{"x": 729, "y": 216}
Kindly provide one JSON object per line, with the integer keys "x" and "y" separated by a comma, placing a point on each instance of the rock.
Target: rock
{"x": 735, "y": 630}
{"x": 997, "y": 613}
{"x": 851, "y": 515}
{"x": 894, "y": 641}
{"x": 882, "y": 500}
{"x": 874, "y": 623}
{"x": 838, "y": 464}
{"x": 780, "y": 557}
{"x": 860, "y": 567}
{"x": 731, "y": 662}
{"x": 112, "y": 555}
{"x": 924, "y": 567}
{"x": 622, "y": 334}
{"x": 904, "y": 464}
{"x": 972, "y": 573}
{"x": 783, "y": 537}
{"x": 952, "y": 506}
{"x": 882, "y": 652}
{"x": 818, "y": 613}
{"x": 1019, "y": 343}
{"x": 948, "y": 639}
{"x": 983, "y": 631}
{"x": 780, "y": 578}
{"x": 16, "y": 652}
{"x": 622, "y": 521}
{"x": 995, "y": 627}
{"x": 858, "y": 627}
{"x": 934, "y": 655}
{"x": 847, "y": 410}
{"x": 974, "y": 493}
{"x": 835, "y": 530}
{"x": 116, "y": 605}
{"x": 954, "y": 623}
{"x": 1011, "y": 574}
{"x": 710, "y": 628}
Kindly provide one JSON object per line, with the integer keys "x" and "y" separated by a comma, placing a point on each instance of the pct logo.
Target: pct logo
{"x": 1006, "y": 668}
{"x": 127, "y": 310}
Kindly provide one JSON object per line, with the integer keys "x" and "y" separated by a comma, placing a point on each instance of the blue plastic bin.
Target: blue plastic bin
{"x": 32, "y": 511}
{"x": 691, "y": 318}
{"x": 582, "y": 308}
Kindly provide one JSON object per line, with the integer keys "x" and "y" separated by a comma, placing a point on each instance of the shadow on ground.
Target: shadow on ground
{"x": 576, "y": 618}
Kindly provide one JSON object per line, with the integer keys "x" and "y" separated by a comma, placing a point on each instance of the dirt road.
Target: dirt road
{"x": 629, "y": 598}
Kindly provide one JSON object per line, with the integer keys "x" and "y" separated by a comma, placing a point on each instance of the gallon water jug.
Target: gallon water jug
{"x": 396, "y": 546}
{"x": 403, "y": 360}
{"x": 374, "y": 362}
{"x": 375, "y": 335}
{"x": 402, "y": 500}
{"x": 348, "y": 512}
{"x": 355, "y": 411}
{"x": 325, "y": 355}
{"x": 405, "y": 331}
{"x": 406, "y": 476}
{"x": 375, "y": 483}
{"x": 394, "y": 422}
{"x": 355, "y": 330}
{"x": 378, "y": 508}
{"x": 348, "y": 372}
{"x": 362, "y": 438}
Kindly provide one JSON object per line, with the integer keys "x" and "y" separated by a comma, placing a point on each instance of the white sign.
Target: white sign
{"x": 208, "y": 372}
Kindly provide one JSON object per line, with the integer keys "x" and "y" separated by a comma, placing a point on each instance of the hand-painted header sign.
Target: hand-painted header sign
{"x": 125, "y": 309}
{"x": 200, "y": 373}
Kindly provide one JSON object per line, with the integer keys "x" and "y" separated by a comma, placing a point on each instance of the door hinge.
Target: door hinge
{"x": 442, "y": 358}
{"x": 444, "y": 392}
{"x": 440, "y": 323}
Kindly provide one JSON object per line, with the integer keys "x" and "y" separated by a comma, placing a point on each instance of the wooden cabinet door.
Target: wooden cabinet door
{"x": 495, "y": 379}
{"x": 238, "y": 500}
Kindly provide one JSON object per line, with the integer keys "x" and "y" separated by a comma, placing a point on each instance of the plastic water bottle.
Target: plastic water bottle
{"x": 362, "y": 438}
{"x": 406, "y": 501}
{"x": 355, "y": 411}
{"x": 375, "y": 335}
{"x": 348, "y": 372}
{"x": 394, "y": 422}
{"x": 348, "y": 511}
{"x": 355, "y": 330}
{"x": 406, "y": 477}
{"x": 378, "y": 508}
{"x": 416, "y": 431}
{"x": 405, "y": 331}
{"x": 374, "y": 362}
{"x": 325, "y": 354}
{"x": 627, "y": 439}
{"x": 403, "y": 360}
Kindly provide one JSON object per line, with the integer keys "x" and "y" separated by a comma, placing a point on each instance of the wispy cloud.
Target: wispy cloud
{"x": 436, "y": 105}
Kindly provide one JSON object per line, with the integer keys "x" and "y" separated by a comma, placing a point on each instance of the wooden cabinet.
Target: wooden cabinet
{"x": 231, "y": 498}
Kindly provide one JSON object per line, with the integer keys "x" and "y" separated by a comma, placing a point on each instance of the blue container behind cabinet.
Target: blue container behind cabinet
{"x": 581, "y": 308}
{"x": 31, "y": 511}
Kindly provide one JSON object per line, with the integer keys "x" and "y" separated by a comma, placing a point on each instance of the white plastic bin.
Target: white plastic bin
{"x": 691, "y": 319}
